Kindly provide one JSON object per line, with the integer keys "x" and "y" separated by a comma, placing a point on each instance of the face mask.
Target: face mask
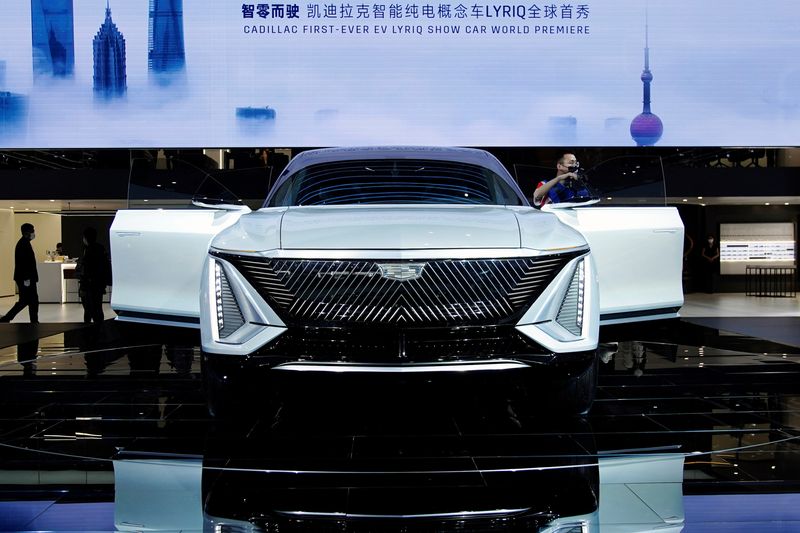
{"x": 710, "y": 241}
{"x": 85, "y": 243}
{"x": 33, "y": 236}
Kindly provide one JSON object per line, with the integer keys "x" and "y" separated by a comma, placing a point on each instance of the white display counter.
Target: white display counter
{"x": 58, "y": 284}
{"x": 53, "y": 276}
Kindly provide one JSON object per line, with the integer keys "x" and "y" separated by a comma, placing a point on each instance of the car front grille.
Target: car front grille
{"x": 411, "y": 293}
{"x": 425, "y": 345}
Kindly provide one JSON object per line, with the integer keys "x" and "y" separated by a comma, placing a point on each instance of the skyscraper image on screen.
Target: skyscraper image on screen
{"x": 13, "y": 114}
{"x": 646, "y": 127}
{"x": 166, "y": 58}
{"x": 110, "y": 78}
{"x": 53, "y": 38}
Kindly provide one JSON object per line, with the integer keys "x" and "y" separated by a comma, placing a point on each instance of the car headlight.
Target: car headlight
{"x": 570, "y": 314}
{"x": 234, "y": 319}
{"x": 228, "y": 314}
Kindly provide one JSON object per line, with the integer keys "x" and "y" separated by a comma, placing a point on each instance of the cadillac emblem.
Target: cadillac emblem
{"x": 401, "y": 271}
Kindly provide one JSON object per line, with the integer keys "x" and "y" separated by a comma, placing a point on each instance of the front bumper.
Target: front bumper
{"x": 536, "y": 334}
{"x": 408, "y": 353}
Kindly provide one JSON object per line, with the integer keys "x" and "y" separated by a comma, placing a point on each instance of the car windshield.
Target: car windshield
{"x": 394, "y": 181}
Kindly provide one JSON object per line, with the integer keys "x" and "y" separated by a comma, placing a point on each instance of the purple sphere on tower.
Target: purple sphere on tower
{"x": 646, "y": 127}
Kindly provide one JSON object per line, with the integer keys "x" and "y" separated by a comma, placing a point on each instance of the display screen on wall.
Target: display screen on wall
{"x": 228, "y": 73}
{"x": 765, "y": 244}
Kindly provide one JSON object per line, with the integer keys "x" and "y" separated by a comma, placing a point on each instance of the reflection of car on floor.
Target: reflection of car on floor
{"x": 398, "y": 261}
{"x": 574, "y": 491}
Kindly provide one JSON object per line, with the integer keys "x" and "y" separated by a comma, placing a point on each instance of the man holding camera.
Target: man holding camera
{"x": 560, "y": 188}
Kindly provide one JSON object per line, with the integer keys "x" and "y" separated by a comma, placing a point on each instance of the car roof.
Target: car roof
{"x": 472, "y": 156}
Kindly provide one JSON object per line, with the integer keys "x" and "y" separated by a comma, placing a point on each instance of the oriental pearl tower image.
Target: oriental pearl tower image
{"x": 646, "y": 128}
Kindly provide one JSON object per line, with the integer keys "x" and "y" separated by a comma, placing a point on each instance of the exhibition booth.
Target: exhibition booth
{"x": 401, "y": 267}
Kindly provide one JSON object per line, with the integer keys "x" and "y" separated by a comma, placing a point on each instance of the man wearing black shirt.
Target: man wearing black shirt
{"x": 93, "y": 273}
{"x": 26, "y": 276}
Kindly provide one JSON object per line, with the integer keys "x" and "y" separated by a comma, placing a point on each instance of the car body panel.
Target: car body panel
{"x": 158, "y": 258}
{"x": 258, "y": 231}
{"x": 638, "y": 252}
{"x": 398, "y": 227}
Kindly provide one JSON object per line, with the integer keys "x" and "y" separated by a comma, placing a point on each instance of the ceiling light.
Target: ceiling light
{"x": 785, "y": 203}
{"x": 52, "y": 200}
{"x": 685, "y": 200}
{"x": 766, "y": 203}
{"x": 699, "y": 197}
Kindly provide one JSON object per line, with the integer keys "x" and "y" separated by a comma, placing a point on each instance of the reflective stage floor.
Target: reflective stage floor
{"x": 694, "y": 429}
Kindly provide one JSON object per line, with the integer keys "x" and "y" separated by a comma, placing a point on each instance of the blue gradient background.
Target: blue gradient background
{"x": 724, "y": 74}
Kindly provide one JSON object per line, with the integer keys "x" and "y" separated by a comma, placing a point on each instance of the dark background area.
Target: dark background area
{"x": 72, "y": 227}
{"x": 640, "y": 176}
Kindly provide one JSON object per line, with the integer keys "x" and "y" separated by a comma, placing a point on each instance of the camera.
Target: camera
{"x": 577, "y": 184}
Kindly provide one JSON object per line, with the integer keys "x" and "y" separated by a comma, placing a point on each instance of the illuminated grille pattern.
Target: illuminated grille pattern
{"x": 570, "y": 315}
{"x": 229, "y": 316}
{"x": 353, "y": 292}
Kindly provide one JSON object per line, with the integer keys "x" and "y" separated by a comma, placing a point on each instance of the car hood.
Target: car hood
{"x": 399, "y": 227}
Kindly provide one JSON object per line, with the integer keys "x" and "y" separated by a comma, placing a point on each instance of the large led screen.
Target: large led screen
{"x": 202, "y": 73}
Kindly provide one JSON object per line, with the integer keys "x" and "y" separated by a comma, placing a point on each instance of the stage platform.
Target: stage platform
{"x": 90, "y": 415}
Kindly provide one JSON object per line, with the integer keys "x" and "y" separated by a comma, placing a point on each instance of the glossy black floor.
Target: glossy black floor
{"x": 98, "y": 424}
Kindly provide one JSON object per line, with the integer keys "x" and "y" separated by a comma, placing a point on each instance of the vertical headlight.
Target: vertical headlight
{"x": 229, "y": 316}
{"x": 570, "y": 314}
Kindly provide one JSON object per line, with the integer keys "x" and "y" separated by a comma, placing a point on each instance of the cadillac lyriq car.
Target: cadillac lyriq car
{"x": 398, "y": 261}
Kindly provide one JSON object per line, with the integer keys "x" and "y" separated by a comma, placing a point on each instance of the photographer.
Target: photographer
{"x": 567, "y": 184}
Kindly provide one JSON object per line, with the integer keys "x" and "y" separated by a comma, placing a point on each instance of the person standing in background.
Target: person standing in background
{"x": 709, "y": 260}
{"x": 93, "y": 274}
{"x": 26, "y": 276}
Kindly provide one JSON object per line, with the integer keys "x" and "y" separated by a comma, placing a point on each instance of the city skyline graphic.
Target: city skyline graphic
{"x": 192, "y": 74}
{"x": 166, "y": 56}
{"x": 110, "y": 77}
{"x": 53, "y": 38}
